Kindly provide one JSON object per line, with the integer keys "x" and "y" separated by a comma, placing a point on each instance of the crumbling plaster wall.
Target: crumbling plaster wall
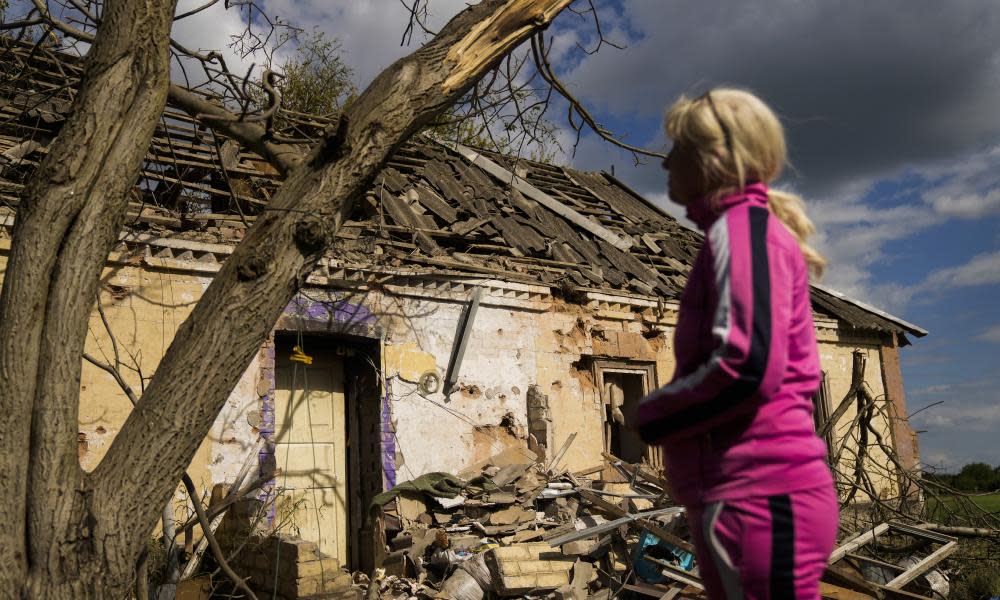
{"x": 533, "y": 340}
{"x": 510, "y": 349}
{"x": 144, "y": 308}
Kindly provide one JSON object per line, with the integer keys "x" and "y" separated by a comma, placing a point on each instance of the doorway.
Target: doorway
{"x": 326, "y": 398}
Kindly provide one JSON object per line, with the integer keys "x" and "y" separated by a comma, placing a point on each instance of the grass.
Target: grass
{"x": 989, "y": 503}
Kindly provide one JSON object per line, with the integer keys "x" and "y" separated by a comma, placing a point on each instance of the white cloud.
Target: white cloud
{"x": 369, "y": 31}
{"x": 212, "y": 29}
{"x": 990, "y": 335}
{"x": 943, "y": 460}
{"x": 969, "y": 206}
{"x": 972, "y": 418}
{"x": 968, "y": 189}
{"x": 855, "y": 226}
{"x": 982, "y": 269}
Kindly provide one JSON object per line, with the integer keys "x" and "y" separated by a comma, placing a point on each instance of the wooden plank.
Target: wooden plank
{"x": 198, "y": 186}
{"x": 646, "y": 524}
{"x": 676, "y": 574}
{"x": 502, "y": 174}
{"x": 844, "y": 578}
{"x": 875, "y": 561}
{"x": 921, "y": 533}
{"x": 425, "y": 243}
{"x": 638, "y": 471}
{"x": 828, "y": 591}
{"x": 464, "y": 332}
{"x": 568, "y": 533}
{"x": 651, "y": 590}
{"x": 865, "y": 537}
{"x": 469, "y": 225}
{"x": 650, "y": 242}
{"x": 923, "y": 566}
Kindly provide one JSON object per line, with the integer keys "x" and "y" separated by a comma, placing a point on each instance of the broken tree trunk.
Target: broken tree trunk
{"x": 71, "y": 534}
{"x": 57, "y": 541}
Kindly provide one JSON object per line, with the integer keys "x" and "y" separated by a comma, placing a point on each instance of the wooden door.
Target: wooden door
{"x": 310, "y": 447}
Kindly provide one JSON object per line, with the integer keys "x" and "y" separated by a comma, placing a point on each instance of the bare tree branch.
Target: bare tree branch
{"x": 64, "y": 27}
{"x": 251, "y": 134}
{"x": 206, "y": 530}
{"x": 548, "y": 74}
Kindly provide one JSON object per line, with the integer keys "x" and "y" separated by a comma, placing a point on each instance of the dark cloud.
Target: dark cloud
{"x": 864, "y": 87}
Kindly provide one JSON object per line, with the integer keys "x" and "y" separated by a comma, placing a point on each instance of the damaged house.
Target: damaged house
{"x": 473, "y": 304}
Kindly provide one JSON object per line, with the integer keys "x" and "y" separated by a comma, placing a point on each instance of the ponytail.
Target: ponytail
{"x": 791, "y": 210}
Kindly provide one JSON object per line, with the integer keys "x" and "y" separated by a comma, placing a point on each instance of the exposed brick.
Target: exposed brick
{"x": 296, "y": 549}
{"x": 327, "y": 566}
{"x": 311, "y": 586}
{"x": 520, "y": 568}
{"x": 579, "y": 547}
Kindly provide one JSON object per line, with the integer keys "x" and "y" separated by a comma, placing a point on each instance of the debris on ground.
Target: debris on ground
{"x": 514, "y": 527}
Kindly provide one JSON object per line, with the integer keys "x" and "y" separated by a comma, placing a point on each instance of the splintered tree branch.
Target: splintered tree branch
{"x": 491, "y": 39}
{"x": 216, "y": 343}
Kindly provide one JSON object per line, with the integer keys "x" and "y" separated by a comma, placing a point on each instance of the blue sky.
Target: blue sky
{"x": 893, "y": 129}
{"x": 893, "y": 132}
{"x": 891, "y": 112}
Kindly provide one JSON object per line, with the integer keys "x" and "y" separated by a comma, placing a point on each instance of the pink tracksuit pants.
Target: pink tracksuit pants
{"x": 773, "y": 547}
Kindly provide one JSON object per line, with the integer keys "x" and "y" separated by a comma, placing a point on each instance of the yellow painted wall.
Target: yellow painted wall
{"x": 536, "y": 341}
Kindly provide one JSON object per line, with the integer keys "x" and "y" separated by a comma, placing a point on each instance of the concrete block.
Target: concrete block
{"x": 326, "y": 566}
{"x": 294, "y": 549}
{"x": 520, "y": 568}
{"x": 579, "y": 547}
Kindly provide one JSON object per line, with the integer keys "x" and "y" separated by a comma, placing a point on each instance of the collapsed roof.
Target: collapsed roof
{"x": 434, "y": 209}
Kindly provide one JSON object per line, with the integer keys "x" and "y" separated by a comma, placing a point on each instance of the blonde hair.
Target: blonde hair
{"x": 738, "y": 139}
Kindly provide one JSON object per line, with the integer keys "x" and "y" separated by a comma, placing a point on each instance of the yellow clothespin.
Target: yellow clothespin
{"x": 299, "y": 356}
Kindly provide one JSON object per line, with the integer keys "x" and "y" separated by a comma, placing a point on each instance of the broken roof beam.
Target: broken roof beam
{"x": 478, "y": 159}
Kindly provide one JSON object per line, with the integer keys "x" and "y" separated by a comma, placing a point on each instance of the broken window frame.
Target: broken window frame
{"x": 908, "y": 575}
{"x": 647, "y": 370}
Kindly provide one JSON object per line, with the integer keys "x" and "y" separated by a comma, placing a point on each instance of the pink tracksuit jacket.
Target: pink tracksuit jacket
{"x": 736, "y": 420}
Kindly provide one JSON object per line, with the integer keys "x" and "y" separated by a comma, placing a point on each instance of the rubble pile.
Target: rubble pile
{"x": 513, "y": 527}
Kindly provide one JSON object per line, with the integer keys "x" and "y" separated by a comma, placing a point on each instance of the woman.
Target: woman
{"x": 736, "y": 421}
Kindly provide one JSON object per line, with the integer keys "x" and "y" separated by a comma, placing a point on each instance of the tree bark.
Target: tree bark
{"x": 216, "y": 343}
{"x": 68, "y": 534}
{"x": 54, "y": 540}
